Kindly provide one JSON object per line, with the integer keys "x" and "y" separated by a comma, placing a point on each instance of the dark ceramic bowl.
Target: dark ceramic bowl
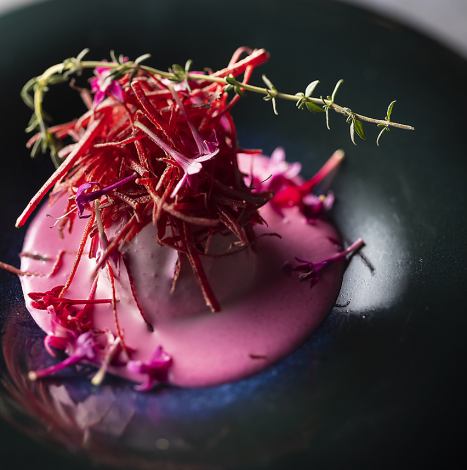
{"x": 380, "y": 384}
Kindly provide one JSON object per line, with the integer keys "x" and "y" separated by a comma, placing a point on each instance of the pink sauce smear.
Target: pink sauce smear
{"x": 266, "y": 311}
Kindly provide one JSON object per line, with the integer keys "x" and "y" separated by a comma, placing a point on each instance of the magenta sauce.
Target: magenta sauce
{"x": 266, "y": 311}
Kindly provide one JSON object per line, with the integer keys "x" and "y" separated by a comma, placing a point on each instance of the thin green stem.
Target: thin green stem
{"x": 260, "y": 90}
{"x": 73, "y": 66}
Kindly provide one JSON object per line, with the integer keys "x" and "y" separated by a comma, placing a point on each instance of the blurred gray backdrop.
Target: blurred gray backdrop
{"x": 444, "y": 19}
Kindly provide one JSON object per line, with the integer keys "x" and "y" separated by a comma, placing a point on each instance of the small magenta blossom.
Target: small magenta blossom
{"x": 276, "y": 173}
{"x": 104, "y": 85}
{"x": 84, "y": 197}
{"x": 59, "y": 337}
{"x": 190, "y": 166}
{"x": 87, "y": 346}
{"x": 281, "y": 172}
{"x": 311, "y": 271}
{"x": 156, "y": 370}
{"x": 315, "y": 206}
{"x": 289, "y": 190}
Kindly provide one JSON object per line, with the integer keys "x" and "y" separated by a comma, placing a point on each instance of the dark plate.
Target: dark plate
{"x": 381, "y": 383}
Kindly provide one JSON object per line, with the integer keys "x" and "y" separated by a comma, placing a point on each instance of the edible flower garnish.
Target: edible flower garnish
{"x": 83, "y": 197}
{"x": 63, "y": 311}
{"x": 282, "y": 180}
{"x": 104, "y": 85}
{"x": 155, "y": 371}
{"x": 189, "y": 166}
{"x": 87, "y": 346}
{"x": 311, "y": 271}
{"x": 278, "y": 172}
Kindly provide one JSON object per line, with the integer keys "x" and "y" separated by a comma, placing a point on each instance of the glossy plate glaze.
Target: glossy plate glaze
{"x": 380, "y": 384}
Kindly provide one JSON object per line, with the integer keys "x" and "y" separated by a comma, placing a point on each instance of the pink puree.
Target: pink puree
{"x": 266, "y": 312}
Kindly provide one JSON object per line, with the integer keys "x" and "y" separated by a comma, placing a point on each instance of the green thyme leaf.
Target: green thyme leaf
{"x": 142, "y": 58}
{"x": 313, "y": 107}
{"x": 389, "y": 111}
{"x": 359, "y": 129}
{"x": 336, "y": 89}
{"x": 311, "y": 88}
{"x": 383, "y": 130}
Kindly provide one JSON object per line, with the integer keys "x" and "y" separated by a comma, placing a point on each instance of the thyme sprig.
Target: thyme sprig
{"x": 34, "y": 91}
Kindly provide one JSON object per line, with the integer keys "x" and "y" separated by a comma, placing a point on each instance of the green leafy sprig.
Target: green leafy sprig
{"x": 34, "y": 91}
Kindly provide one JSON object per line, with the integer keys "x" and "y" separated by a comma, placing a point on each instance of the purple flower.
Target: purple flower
{"x": 103, "y": 85}
{"x": 311, "y": 271}
{"x": 281, "y": 172}
{"x": 155, "y": 371}
{"x": 59, "y": 337}
{"x": 283, "y": 180}
{"x": 275, "y": 174}
{"x": 88, "y": 345}
{"x": 83, "y": 198}
{"x": 314, "y": 206}
{"x": 189, "y": 166}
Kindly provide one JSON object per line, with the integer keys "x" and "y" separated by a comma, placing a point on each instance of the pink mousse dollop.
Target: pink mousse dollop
{"x": 266, "y": 311}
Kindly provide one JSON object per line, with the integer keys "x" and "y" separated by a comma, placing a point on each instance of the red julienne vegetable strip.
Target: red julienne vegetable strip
{"x": 81, "y": 147}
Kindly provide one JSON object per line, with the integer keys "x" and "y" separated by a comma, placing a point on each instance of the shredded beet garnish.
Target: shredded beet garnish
{"x": 14, "y": 270}
{"x": 57, "y": 264}
{"x": 43, "y": 300}
{"x": 82, "y": 244}
{"x": 35, "y": 256}
{"x": 135, "y": 295}
{"x": 73, "y": 159}
{"x": 168, "y": 158}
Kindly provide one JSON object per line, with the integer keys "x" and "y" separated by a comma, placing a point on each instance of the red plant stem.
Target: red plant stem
{"x": 256, "y": 58}
{"x": 100, "y": 192}
{"x": 351, "y": 249}
{"x": 121, "y": 143}
{"x": 332, "y": 163}
{"x": 81, "y": 147}
{"x": 135, "y": 295}
{"x": 14, "y": 270}
{"x": 340, "y": 255}
{"x": 142, "y": 155}
{"x": 176, "y": 275}
{"x": 69, "y": 361}
{"x": 198, "y": 270}
{"x": 58, "y": 263}
{"x": 60, "y": 130}
{"x": 237, "y": 54}
{"x": 160, "y": 203}
{"x": 82, "y": 244}
{"x": 114, "y": 243}
{"x": 233, "y": 225}
{"x": 147, "y": 106}
{"x": 87, "y": 307}
{"x": 114, "y": 305}
{"x": 35, "y": 256}
{"x": 81, "y": 302}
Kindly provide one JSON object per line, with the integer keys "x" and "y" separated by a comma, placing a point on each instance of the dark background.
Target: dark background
{"x": 387, "y": 387}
